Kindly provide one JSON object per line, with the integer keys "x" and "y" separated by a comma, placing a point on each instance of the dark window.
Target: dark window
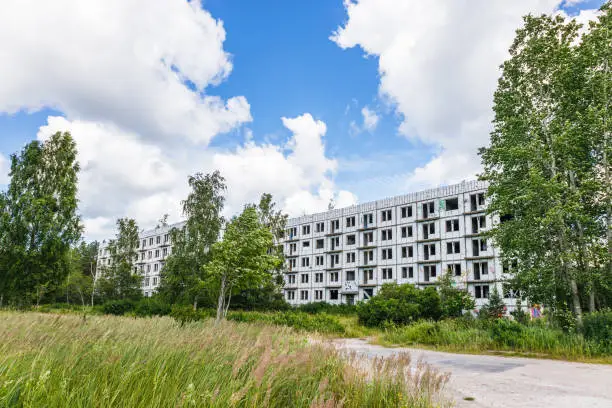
{"x": 320, "y": 243}
{"x": 333, "y": 294}
{"x": 350, "y": 276}
{"x": 350, "y": 222}
{"x": 452, "y": 204}
{"x": 350, "y": 239}
{"x": 406, "y": 212}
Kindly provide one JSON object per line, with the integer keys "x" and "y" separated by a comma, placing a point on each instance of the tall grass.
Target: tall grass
{"x": 501, "y": 335}
{"x": 64, "y": 361}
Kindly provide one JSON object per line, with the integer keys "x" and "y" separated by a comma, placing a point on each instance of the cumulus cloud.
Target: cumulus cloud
{"x": 123, "y": 175}
{"x": 370, "y": 119}
{"x": 438, "y": 64}
{"x": 141, "y": 65}
{"x": 4, "y": 170}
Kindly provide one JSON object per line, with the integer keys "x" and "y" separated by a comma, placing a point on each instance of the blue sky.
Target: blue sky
{"x": 424, "y": 71}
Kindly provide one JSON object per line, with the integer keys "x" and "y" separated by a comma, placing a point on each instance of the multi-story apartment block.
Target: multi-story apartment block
{"x": 345, "y": 255}
{"x": 154, "y": 246}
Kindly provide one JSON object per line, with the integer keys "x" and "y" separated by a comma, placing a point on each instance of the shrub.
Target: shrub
{"x": 324, "y": 307}
{"x": 118, "y": 307}
{"x": 322, "y": 323}
{"x": 597, "y": 326}
{"x": 399, "y": 304}
{"x": 496, "y": 307}
{"x": 453, "y": 301}
{"x": 506, "y": 332}
{"x": 152, "y": 307}
{"x": 564, "y": 319}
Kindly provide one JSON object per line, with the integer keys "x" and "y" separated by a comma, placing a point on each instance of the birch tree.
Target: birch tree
{"x": 543, "y": 167}
{"x": 242, "y": 259}
{"x": 183, "y": 273}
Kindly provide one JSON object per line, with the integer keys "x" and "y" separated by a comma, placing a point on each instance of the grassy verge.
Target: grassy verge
{"x": 62, "y": 360}
{"x": 502, "y": 337}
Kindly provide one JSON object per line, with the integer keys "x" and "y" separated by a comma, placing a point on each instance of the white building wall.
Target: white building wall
{"x": 480, "y": 267}
{"x": 154, "y": 247}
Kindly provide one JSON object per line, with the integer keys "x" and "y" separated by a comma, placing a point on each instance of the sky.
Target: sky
{"x": 315, "y": 102}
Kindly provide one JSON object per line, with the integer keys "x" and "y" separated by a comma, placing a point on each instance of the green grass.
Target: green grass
{"x": 534, "y": 340}
{"x": 63, "y": 360}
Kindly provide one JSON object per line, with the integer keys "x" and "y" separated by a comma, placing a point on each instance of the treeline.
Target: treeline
{"x": 548, "y": 163}
{"x": 43, "y": 258}
{"x": 213, "y": 263}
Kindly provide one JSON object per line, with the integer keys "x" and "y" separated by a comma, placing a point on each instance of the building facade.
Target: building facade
{"x": 345, "y": 255}
{"x": 154, "y": 247}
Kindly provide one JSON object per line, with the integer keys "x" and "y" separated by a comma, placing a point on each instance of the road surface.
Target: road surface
{"x": 508, "y": 382}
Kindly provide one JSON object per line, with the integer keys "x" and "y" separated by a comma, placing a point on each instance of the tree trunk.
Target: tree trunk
{"x": 227, "y": 304}
{"x": 576, "y": 300}
{"x": 592, "y": 299}
{"x": 221, "y": 300}
{"x": 195, "y": 303}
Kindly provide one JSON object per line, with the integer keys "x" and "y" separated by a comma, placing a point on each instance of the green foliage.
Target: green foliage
{"x": 597, "y": 326}
{"x": 548, "y": 161}
{"x": 506, "y": 332}
{"x": 121, "y": 279}
{"x": 147, "y": 307}
{"x": 453, "y": 301}
{"x": 183, "y": 276}
{"x": 242, "y": 260}
{"x": 495, "y": 309}
{"x": 400, "y": 304}
{"x": 321, "y": 323}
{"x": 266, "y": 297}
{"x": 329, "y": 308}
{"x": 118, "y": 307}
{"x": 38, "y": 219}
{"x": 114, "y": 361}
{"x": 485, "y": 335}
{"x": 563, "y": 318}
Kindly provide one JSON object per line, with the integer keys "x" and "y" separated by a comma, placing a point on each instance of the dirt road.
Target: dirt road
{"x": 509, "y": 381}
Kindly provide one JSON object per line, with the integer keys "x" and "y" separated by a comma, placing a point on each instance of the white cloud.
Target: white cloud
{"x": 4, "y": 170}
{"x": 121, "y": 61}
{"x": 123, "y": 175}
{"x": 370, "y": 122}
{"x": 370, "y": 119}
{"x": 438, "y": 64}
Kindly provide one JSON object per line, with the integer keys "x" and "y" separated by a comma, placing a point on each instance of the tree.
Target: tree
{"x": 269, "y": 293}
{"x": 543, "y": 167}
{"x": 496, "y": 307}
{"x": 38, "y": 218}
{"x": 453, "y": 301}
{"x": 242, "y": 259}
{"x": 182, "y": 275}
{"x": 121, "y": 279}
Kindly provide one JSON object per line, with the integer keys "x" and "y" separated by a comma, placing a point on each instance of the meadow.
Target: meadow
{"x": 59, "y": 360}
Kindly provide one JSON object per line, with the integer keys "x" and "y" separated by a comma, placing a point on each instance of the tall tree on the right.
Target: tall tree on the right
{"x": 547, "y": 161}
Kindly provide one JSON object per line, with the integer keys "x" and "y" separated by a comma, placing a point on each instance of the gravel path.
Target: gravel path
{"x": 508, "y": 382}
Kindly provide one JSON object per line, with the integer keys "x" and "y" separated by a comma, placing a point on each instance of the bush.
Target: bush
{"x": 152, "y": 307}
{"x": 506, "y": 332}
{"x": 564, "y": 319}
{"x": 496, "y": 307}
{"x": 400, "y": 304}
{"x": 322, "y": 322}
{"x": 185, "y": 314}
{"x": 118, "y": 307}
{"x": 453, "y": 301}
{"x": 324, "y": 307}
{"x": 597, "y": 326}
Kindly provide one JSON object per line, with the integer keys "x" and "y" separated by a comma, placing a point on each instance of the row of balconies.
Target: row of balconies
{"x": 483, "y": 272}
{"x": 430, "y": 231}
{"x": 431, "y": 251}
{"x": 421, "y": 212}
